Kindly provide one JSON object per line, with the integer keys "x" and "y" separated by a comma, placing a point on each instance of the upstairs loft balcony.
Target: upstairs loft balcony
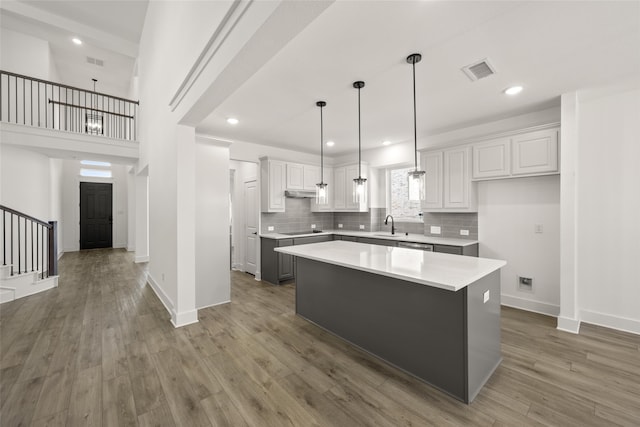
{"x": 60, "y": 119}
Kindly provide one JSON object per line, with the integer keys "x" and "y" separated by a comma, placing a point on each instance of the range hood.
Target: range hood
{"x": 300, "y": 194}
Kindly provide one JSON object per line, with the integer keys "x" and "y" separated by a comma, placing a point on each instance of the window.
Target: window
{"x": 398, "y": 204}
{"x": 95, "y": 173}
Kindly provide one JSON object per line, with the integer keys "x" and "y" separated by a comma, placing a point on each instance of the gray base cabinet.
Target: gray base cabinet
{"x": 470, "y": 250}
{"x": 276, "y": 267}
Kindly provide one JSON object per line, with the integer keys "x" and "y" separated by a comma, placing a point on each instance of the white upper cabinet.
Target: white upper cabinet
{"x": 343, "y": 177}
{"x": 432, "y": 164}
{"x": 525, "y": 153}
{"x": 310, "y": 177}
{"x": 535, "y": 152}
{"x": 448, "y": 184}
{"x": 492, "y": 159}
{"x": 272, "y": 184}
{"x": 302, "y": 177}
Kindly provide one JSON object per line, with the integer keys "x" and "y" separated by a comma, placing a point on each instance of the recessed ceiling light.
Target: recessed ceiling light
{"x": 77, "y": 41}
{"x": 232, "y": 121}
{"x": 386, "y": 142}
{"x": 513, "y": 90}
{"x": 330, "y": 143}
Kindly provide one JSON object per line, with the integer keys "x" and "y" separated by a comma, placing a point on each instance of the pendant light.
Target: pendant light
{"x": 321, "y": 188}
{"x": 416, "y": 177}
{"x": 359, "y": 183}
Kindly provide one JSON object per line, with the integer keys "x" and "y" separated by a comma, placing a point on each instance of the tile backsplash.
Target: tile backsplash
{"x": 451, "y": 223}
{"x": 298, "y": 217}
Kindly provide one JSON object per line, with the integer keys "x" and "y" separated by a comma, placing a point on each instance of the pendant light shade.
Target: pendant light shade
{"x": 359, "y": 183}
{"x": 415, "y": 177}
{"x": 322, "y": 196}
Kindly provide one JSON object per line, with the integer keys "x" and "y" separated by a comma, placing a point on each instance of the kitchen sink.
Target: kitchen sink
{"x": 388, "y": 235}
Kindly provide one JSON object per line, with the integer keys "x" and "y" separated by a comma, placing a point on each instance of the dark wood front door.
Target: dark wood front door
{"x": 96, "y": 218}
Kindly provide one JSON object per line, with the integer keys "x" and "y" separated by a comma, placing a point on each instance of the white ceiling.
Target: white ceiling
{"x": 548, "y": 47}
{"x": 110, "y": 31}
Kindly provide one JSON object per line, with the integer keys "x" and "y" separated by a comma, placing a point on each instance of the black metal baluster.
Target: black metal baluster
{"x": 24, "y": 107}
{"x": 42, "y": 251}
{"x": 31, "y": 245}
{"x": 4, "y": 235}
{"x": 11, "y": 244}
{"x": 26, "y": 260}
{"x": 39, "y": 104}
{"x": 1, "y": 97}
{"x": 38, "y": 245}
{"x": 19, "y": 263}
{"x": 16, "y": 85}
{"x": 59, "y": 114}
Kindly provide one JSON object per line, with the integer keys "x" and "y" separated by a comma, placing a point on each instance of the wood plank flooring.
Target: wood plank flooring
{"x": 100, "y": 350}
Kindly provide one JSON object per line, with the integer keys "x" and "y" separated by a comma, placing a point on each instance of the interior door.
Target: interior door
{"x": 251, "y": 226}
{"x": 96, "y": 216}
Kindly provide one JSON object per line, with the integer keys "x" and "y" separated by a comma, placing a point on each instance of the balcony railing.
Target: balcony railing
{"x": 35, "y": 102}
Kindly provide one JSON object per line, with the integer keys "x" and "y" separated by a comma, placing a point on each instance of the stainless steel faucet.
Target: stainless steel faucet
{"x": 393, "y": 227}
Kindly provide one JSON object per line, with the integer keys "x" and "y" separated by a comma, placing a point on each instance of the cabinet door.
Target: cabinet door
{"x": 339, "y": 184}
{"x": 311, "y": 176}
{"x": 455, "y": 250}
{"x": 456, "y": 178}
{"x": 295, "y": 176}
{"x": 492, "y": 159}
{"x": 285, "y": 266}
{"x": 535, "y": 152}
{"x": 276, "y": 185}
{"x": 432, "y": 164}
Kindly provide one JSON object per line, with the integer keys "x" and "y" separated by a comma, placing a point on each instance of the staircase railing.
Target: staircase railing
{"x": 29, "y": 244}
{"x": 41, "y": 103}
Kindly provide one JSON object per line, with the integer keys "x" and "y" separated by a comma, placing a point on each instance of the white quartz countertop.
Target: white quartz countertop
{"x": 444, "y": 271}
{"x": 399, "y": 237}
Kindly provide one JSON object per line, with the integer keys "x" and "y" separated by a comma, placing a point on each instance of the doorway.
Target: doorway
{"x": 96, "y": 216}
{"x": 245, "y": 217}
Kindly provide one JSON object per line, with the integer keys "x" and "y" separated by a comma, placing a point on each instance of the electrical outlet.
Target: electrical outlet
{"x": 537, "y": 228}
{"x": 270, "y": 228}
{"x": 361, "y": 227}
{"x": 464, "y": 232}
{"x": 435, "y": 229}
{"x": 313, "y": 226}
{"x": 339, "y": 225}
{"x": 525, "y": 283}
{"x": 486, "y": 296}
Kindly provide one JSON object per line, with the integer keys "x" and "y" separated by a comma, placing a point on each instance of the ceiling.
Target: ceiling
{"x": 550, "y": 48}
{"x": 110, "y": 31}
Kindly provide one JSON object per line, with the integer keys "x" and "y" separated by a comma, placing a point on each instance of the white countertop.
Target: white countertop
{"x": 401, "y": 237}
{"x": 444, "y": 271}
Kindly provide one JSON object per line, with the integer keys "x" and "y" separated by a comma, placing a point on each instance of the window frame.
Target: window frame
{"x": 419, "y": 219}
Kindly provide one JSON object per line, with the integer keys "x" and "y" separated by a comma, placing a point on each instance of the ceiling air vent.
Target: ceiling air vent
{"x": 479, "y": 70}
{"x": 95, "y": 61}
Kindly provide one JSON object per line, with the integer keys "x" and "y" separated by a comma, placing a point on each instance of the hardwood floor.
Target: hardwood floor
{"x": 100, "y": 350}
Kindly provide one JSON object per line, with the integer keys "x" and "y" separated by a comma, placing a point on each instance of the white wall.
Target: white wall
{"x": 212, "y": 222}
{"x": 608, "y": 203}
{"x": 71, "y": 204}
{"x": 508, "y": 211}
{"x": 55, "y": 196}
{"x": 25, "y": 181}
{"x": 250, "y": 152}
{"x": 24, "y": 54}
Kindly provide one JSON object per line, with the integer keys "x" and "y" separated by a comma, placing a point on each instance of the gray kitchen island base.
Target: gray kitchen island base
{"x": 448, "y": 339}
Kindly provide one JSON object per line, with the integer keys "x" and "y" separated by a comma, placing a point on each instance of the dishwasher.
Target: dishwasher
{"x": 412, "y": 245}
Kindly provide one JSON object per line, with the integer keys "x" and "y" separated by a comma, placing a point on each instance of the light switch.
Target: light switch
{"x": 313, "y": 226}
{"x": 270, "y": 228}
{"x": 486, "y": 296}
{"x": 464, "y": 232}
{"x": 361, "y": 227}
{"x": 339, "y": 225}
{"x": 537, "y": 228}
{"x": 435, "y": 229}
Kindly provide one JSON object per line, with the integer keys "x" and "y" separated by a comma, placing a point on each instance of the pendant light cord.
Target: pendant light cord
{"x": 415, "y": 131}
{"x": 321, "y": 148}
{"x": 359, "y": 142}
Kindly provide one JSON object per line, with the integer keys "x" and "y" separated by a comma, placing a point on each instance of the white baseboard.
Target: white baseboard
{"x": 119, "y": 246}
{"x": 184, "y": 318}
{"x": 139, "y": 259}
{"x": 568, "y": 324}
{"x": 131, "y": 248}
{"x": 60, "y": 255}
{"x": 258, "y": 276}
{"x": 530, "y": 305}
{"x": 164, "y": 298}
{"x": 215, "y": 304}
{"x": 610, "y": 321}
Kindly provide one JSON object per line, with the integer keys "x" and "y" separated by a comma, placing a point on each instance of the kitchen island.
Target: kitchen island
{"x": 433, "y": 315}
